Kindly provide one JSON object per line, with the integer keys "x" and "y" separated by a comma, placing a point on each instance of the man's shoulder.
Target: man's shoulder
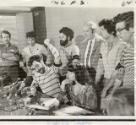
{"x": 73, "y": 46}
{"x": 25, "y": 49}
{"x": 99, "y": 38}
{"x": 39, "y": 45}
{"x": 69, "y": 47}
{"x": 37, "y": 75}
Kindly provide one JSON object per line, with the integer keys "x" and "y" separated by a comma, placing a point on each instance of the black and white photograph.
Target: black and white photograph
{"x": 62, "y": 60}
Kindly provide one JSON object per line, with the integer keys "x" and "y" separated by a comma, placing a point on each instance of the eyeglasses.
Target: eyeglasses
{"x": 120, "y": 29}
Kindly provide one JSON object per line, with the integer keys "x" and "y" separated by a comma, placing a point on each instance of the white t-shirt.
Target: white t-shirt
{"x": 111, "y": 58}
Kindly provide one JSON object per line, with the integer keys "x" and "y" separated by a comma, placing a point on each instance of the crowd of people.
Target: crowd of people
{"x": 99, "y": 78}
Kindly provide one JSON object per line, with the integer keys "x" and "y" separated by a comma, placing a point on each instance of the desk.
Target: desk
{"x": 32, "y": 110}
{"x": 65, "y": 110}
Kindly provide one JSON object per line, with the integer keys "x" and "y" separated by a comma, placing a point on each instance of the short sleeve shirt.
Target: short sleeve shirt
{"x": 66, "y": 54}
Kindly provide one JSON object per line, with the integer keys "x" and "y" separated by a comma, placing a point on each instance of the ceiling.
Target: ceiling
{"x": 22, "y": 2}
{"x": 14, "y": 10}
{"x": 17, "y": 6}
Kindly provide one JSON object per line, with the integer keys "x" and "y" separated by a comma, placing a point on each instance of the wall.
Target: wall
{"x": 9, "y": 23}
{"x": 24, "y": 24}
{"x": 17, "y": 24}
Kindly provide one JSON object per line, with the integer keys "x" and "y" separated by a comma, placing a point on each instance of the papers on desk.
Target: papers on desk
{"x": 37, "y": 106}
{"x": 46, "y": 104}
{"x": 72, "y": 110}
{"x": 49, "y": 102}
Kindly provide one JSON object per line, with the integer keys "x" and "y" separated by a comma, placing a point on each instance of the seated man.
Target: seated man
{"x": 45, "y": 77}
{"x": 79, "y": 87}
{"x": 49, "y": 75}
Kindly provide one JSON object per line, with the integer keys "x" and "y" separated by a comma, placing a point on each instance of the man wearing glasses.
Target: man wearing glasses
{"x": 121, "y": 102}
{"x": 125, "y": 29}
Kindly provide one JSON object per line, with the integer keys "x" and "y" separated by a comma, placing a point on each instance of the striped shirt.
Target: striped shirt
{"x": 127, "y": 60}
{"x": 49, "y": 81}
{"x": 88, "y": 52}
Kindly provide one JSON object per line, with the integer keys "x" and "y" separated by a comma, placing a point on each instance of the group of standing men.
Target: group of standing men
{"x": 110, "y": 54}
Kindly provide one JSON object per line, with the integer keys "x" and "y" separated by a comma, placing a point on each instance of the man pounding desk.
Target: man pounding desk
{"x": 9, "y": 56}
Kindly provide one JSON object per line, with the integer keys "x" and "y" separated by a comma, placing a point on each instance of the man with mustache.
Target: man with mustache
{"x": 9, "y": 56}
{"x": 69, "y": 51}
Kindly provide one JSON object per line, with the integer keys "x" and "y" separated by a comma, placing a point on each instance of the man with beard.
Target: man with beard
{"x": 69, "y": 52}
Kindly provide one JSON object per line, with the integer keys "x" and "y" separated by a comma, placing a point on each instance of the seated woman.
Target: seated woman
{"x": 79, "y": 87}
